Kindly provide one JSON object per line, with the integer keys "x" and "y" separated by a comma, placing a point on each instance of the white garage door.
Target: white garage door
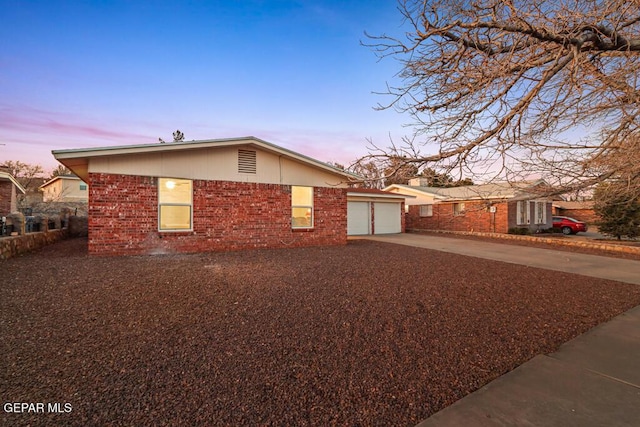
{"x": 358, "y": 218}
{"x": 386, "y": 218}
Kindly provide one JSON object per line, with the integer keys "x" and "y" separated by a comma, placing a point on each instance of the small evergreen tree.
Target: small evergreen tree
{"x": 619, "y": 216}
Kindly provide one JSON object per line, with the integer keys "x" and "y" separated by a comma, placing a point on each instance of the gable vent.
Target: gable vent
{"x": 246, "y": 161}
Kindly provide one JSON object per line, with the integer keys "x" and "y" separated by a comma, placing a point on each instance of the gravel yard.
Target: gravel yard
{"x": 364, "y": 334}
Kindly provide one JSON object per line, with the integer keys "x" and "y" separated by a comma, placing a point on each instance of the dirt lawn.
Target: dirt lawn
{"x": 364, "y": 334}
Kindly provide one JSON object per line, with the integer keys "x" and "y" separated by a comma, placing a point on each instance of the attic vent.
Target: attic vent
{"x": 246, "y": 161}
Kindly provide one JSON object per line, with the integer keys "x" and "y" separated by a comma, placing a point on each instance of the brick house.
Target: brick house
{"x": 493, "y": 208}
{"x": 9, "y": 189}
{"x": 212, "y": 195}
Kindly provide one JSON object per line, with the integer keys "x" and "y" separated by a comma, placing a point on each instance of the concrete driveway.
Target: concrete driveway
{"x": 621, "y": 270}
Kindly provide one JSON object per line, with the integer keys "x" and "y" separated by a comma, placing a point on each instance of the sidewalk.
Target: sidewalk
{"x": 592, "y": 380}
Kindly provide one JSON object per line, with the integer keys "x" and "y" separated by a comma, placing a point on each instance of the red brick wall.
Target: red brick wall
{"x": 585, "y": 215}
{"x": 6, "y": 188}
{"x": 123, "y": 217}
{"x": 475, "y": 218}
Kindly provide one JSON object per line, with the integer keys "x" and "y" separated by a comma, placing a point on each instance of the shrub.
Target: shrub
{"x": 619, "y": 215}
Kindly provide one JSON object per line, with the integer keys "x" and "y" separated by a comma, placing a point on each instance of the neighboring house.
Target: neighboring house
{"x": 65, "y": 188}
{"x": 9, "y": 189}
{"x": 582, "y": 211}
{"x": 494, "y": 208}
{"x": 217, "y": 195}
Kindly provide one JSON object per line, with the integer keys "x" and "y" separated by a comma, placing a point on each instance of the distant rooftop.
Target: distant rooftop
{"x": 497, "y": 190}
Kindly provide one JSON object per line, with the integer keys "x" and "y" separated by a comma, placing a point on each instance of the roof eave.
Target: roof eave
{"x": 14, "y": 181}
{"x": 379, "y": 195}
{"x": 82, "y": 156}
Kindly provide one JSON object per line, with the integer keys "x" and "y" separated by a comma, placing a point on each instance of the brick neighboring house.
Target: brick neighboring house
{"x": 493, "y": 208}
{"x": 212, "y": 195}
{"x": 9, "y": 189}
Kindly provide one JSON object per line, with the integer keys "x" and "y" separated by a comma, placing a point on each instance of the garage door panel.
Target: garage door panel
{"x": 387, "y": 218}
{"x": 358, "y": 218}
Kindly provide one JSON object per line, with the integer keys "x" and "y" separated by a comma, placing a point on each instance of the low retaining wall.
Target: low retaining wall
{"x": 540, "y": 239}
{"x": 18, "y": 245}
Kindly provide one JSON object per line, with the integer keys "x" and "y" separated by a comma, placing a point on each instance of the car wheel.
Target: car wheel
{"x": 566, "y": 231}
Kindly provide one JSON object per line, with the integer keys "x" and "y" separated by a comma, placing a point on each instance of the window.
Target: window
{"x": 83, "y": 187}
{"x": 541, "y": 212}
{"x": 174, "y": 204}
{"x": 426, "y": 210}
{"x": 458, "y": 209}
{"x": 301, "y": 207}
{"x": 522, "y": 212}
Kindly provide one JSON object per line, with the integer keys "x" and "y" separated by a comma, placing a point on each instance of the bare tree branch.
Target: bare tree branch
{"x": 517, "y": 87}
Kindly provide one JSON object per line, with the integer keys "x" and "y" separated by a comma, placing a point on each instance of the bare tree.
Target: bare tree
{"x": 60, "y": 170}
{"x": 399, "y": 171}
{"x": 372, "y": 176}
{"x": 29, "y": 176}
{"x": 434, "y": 179}
{"x": 518, "y": 88}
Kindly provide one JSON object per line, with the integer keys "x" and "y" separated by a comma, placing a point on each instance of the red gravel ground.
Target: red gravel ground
{"x": 363, "y": 334}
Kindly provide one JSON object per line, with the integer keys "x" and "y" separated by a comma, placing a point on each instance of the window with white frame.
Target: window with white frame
{"x": 541, "y": 212}
{"x": 523, "y": 212}
{"x": 175, "y": 202}
{"x": 426, "y": 210}
{"x": 458, "y": 209}
{"x": 301, "y": 207}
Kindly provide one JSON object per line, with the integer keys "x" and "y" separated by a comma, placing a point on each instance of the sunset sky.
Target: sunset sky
{"x": 76, "y": 74}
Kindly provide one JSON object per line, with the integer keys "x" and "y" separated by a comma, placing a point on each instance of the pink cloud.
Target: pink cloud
{"x": 31, "y": 133}
{"x": 50, "y": 125}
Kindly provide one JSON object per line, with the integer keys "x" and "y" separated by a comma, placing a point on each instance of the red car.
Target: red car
{"x": 569, "y": 225}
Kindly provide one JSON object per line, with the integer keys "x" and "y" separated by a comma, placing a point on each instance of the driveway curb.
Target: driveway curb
{"x": 539, "y": 239}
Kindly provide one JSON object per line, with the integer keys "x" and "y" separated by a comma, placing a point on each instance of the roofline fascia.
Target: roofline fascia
{"x": 207, "y": 143}
{"x": 14, "y": 181}
{"x": 57, "y": 177}
{"x": 378, "y": 195}
{"x": 414, "y": 190}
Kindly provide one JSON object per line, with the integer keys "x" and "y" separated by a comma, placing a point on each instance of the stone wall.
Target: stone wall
{"x": 123, "y": 217}
{"x": 18, "y": 245}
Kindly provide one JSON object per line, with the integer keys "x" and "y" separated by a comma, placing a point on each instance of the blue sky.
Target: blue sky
{"x": 77, "y": 74}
